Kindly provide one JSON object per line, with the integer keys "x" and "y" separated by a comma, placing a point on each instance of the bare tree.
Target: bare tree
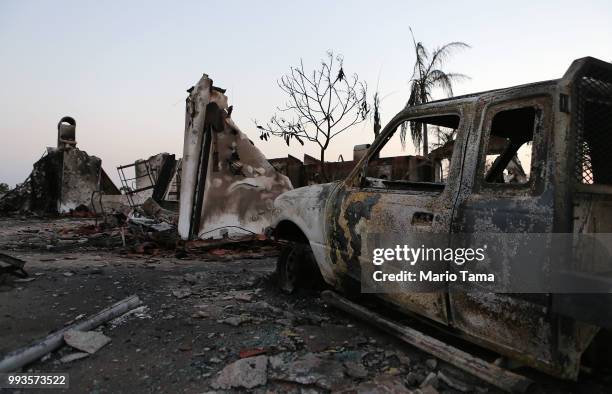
{"x": 321, "y": 105}
{"x": 427, "y": 75}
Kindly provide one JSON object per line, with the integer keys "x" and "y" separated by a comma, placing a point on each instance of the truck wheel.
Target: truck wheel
{"x": 296, "y": 268}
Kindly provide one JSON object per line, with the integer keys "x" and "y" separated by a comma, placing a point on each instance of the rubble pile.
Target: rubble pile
{"x": 40, "y": 191}
{"x": 64, "y": 180}
{"x": 136, "y": 235}
{"x": 292, "y": 345}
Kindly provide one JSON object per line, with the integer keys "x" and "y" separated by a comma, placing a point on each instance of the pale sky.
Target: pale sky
{"x": 121, "y": 68}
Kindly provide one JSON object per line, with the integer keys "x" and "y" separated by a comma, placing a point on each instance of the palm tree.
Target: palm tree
{"x": 376, "y": 114}
{"x": 426, "y": 76}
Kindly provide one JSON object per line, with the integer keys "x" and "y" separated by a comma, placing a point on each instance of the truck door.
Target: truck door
{"x": 392, "y": 199}
{"x": 512, "y": 193}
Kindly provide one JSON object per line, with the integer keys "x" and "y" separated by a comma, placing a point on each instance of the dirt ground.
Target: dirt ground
{"x": 199, "y": 315}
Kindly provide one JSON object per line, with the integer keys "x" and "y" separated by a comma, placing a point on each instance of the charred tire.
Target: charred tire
{"x": 297, "y": 268}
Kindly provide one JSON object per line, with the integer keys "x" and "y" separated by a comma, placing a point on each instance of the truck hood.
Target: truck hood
{"x": 304, "y": 207}
{"x": 307, "y": 197}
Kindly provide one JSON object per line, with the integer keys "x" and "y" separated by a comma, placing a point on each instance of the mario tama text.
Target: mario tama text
{"x": 425, "y": 264}
{"x": 431, "y": 276}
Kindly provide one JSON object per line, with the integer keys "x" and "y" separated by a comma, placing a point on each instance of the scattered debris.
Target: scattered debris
{"x": 21, "y": 357}
{"x": 318, "y": 338}
{"x": 505, "y": 380}
{"x": 23, "y": 280}
{"x": 431, "y": 363}
{"x": 245, "y": 296}
{"x": 312, "y": 369}
{"x": 200, "y": 315}
{"x": 73, "y": 357}
{"x": 149, "y": 223}
{"x": 246, "y": 353}
{"x": 78, "y": 317}
{"x": 142, "y": 312}
{"x": 208, "y": 310}
{"x": 355, "y": 370}
{"x": 383, "y": 384}
{"x": 236, "y": 320}
{"x": 430, "y": 380}
{"x": 12, "y": 265}
{"x": 182, "y": 292}
{"x": 152, "y": 209}
{"x": 245, "y": 373}
{"x": 428, "y": 390}
{"x": 454, "y": 383}
{"x": 86, "y": 341}
{"x": 152, "y": 179}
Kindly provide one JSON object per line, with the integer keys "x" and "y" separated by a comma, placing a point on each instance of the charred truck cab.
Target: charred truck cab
{"x": 528, "y": 159}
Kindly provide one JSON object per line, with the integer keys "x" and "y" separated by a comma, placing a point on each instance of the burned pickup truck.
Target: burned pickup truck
{"x": 532, "y": 159}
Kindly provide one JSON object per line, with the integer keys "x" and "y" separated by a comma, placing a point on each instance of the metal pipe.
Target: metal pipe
{"x": 26, "y": 355}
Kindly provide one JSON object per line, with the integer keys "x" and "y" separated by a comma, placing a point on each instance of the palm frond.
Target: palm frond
{"x": 427, "y": 75}
{"x": 422, "y": 58}
{"x": 416, "y": 134}
{"x": 404, "y": 126}
{"x": 420, "y": 65}
{"x": 413, "y": 100}
{"x": 440, "y": 55}
{"x": 439, "y": 78}
{"x": 445, "y": 135}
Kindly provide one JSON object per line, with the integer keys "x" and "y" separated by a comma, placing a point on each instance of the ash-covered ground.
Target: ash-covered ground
{"x": 209, "y": 322}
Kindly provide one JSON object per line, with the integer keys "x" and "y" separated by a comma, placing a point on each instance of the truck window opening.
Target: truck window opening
{"x": 509, "y": 150}
{"x": 410, "y": 169}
